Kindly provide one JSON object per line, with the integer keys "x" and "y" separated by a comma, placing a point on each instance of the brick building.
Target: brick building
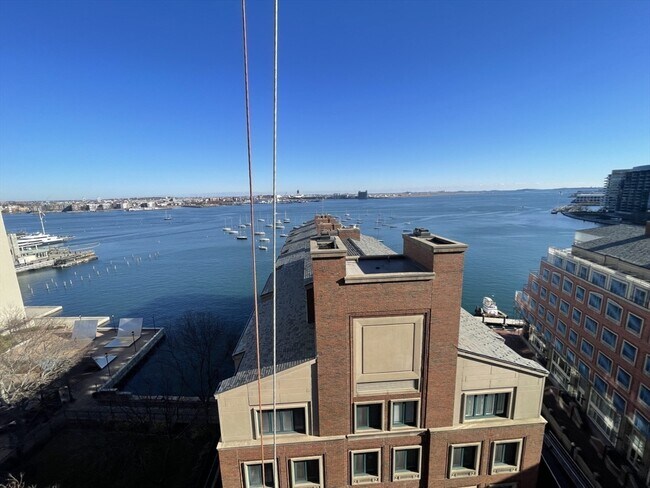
{"x": 382, "y": 379}
{"x": 587, "y": 309}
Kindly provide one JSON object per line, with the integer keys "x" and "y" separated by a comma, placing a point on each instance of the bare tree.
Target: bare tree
{"x": 33, "y": 355}
{"x": 200, "y": 349}
{"x": 13, "y": 482}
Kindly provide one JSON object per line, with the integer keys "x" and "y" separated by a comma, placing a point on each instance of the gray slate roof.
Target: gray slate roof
{"x": 295, "y": 336}
{"x": 478, "y": 339}
{"x": 626, "y": 242}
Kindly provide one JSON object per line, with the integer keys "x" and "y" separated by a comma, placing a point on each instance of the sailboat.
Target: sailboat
{"x": 167, "y": 216}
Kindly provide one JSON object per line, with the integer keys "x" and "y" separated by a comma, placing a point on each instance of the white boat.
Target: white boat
{"x": 37, "y": 239}
{"x": 242, "y": 226}
{"x": 279, "y": 225}
{"x": 242, "y": 237}
{"x": 489, "y": 307}
{"x": 265, "y": 239}
{"x": 167, "y": 216}
{"x": 262, "y": 248}
{"x": 269, "y": 225}
{"x": 259, "y": 233}
{"x": 284, "y": 235}
{"x": 260, "y": 220}
{"x": 233, "y": 232}
{"x": 286, "y": 219}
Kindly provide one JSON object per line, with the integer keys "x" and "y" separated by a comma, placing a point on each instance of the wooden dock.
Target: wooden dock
{"x": 502, "y": 321}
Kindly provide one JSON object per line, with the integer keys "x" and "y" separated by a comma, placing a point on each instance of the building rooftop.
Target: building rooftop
{"x": 478, "y": 339}
{"x": 295, "y": 335}
{"x": 625, "y": 242}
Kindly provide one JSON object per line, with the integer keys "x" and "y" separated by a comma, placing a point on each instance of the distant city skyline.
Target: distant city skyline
{"x": 108, "y": 98}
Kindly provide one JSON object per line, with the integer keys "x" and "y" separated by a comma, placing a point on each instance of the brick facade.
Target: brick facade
{"x": 336, "y": 304}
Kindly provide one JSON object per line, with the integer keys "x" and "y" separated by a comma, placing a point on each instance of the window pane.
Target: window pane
{"x": 400, "y": 460}
{"x": 362, "y": 416}
{"x": 300, "y": 471}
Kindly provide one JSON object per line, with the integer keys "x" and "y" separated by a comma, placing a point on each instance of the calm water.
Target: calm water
{"x": 157, "y": 269}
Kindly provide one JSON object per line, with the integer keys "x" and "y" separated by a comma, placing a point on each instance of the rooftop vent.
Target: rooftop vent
{"x": 421, "y": 232}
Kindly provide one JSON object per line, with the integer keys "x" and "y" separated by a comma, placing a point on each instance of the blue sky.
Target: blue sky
{"x": 126, "y": 98}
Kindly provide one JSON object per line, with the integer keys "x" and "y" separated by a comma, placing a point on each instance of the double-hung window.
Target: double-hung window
{"x": 618, "y": 287}
{"x": 464, "y": 460}
{"x": 604, "y": 363}
{"x": 506, "y": 456}
{"x": 607, "y": 337}
{"x": 253, "y": 477}
{"x": 567, "y": 286}
{"x": 368, "y": 417}
{"x": 307, "y": 472}
{"x": 613, "y": 311}
{"x": 366, "y": 466}
{"x": 591, "y": 325}
{"x": 487, "y": 405}
{"x": 634, "y": 324}
{"x": 595, "y": 301}
{"x": 598, "y": 279}
{"x": 628, "y": 352}
{"x": 623, "y": 378}
{"x": 406, "y": 463}
{"x": 404, "y": 414}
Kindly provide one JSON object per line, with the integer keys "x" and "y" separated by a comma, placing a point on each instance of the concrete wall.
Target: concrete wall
{"x": 236, "y": 406}
{"x": 478, "y": 376}
{"x": 11, "y": 301}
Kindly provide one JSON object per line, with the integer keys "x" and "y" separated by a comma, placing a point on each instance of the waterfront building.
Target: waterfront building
{"x": 587, "y": 313}
{"x": 382, "y": 379}
{"x": 628, "y": 193}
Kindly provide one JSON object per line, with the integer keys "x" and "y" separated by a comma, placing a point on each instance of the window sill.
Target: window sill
{"x": 505, "y": 468}
{"x": 406, "y": 475}
{"x": 362, "y": 480}
{"x": 463, "y": 473}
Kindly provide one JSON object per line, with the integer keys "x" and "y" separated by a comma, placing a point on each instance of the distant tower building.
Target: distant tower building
{"x": 362, "y": 195}
{"x": 628, "y": 193}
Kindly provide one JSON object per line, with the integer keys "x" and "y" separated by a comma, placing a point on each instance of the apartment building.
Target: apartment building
{"x": 588, "y": 309}
{"x": 628, "y": 193}
{"x": 382, "y": 379}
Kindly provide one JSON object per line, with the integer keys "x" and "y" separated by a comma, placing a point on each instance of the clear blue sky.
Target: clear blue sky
{"x": 124, "y": 98}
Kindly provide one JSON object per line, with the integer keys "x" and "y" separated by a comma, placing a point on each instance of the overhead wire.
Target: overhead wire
{"x": 252, "y": 220}
{"x": 275, "y": 204}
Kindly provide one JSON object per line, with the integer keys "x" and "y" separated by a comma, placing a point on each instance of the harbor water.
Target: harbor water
{"x": 157, "y": 268}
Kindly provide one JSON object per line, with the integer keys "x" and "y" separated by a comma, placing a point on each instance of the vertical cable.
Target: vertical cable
{"x": 275, "y": 203}
{"x": 252, "y": 216}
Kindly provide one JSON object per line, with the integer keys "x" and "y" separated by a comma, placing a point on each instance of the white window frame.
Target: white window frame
{"x": 464, "y": 472}
{"x": 602, "y": 301}
{"x": 509, "y": 409}
{"x": 370, "y": 430}
{"x": 417, "y": 414}
{"x": 620, "y": 320}
{"x": 638, "y": 395}
{"x": 288, "y": 406}
{"x": 246, "y": 464}
{"x": 629, "y": 386}
{"x": 367, "y": 479}
{"x": 633, "y": 332}
{"x": 506, "y": 468}
{"x": 602, "y": 332}
{"x": 626, "y": 359}
{"x": 321, "y": 482}
{"x": 410, "y": 475}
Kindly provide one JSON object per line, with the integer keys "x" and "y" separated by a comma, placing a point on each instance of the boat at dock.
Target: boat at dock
{"x": 489, "y": 308}
{"x": 39, "y": 239}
